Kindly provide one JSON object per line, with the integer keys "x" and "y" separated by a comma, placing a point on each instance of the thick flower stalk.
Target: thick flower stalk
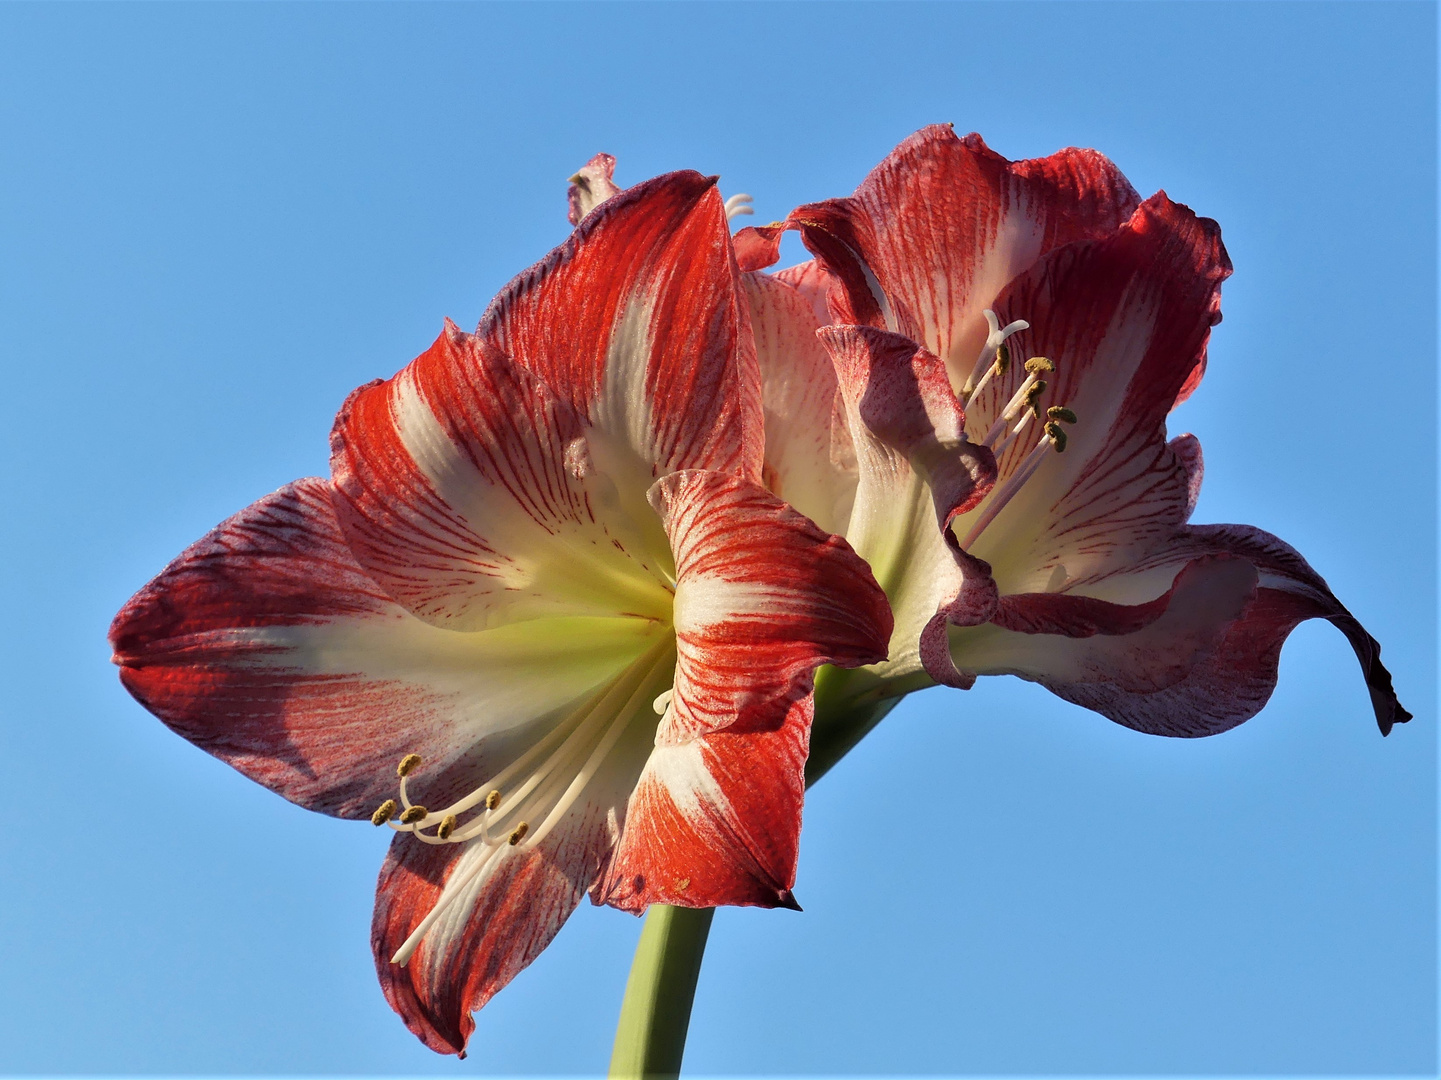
{"x": 1008, "y": 339}
{"x": 545, "y": 621}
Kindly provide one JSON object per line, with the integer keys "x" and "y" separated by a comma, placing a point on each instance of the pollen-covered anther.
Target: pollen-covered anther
{"x": 407, "y": 765}
{"x": 1037, "y": 364}
{"x": 1057, "y": 435}
{"x": 383, "y": 813}
{"x": 1060, "y": 412}
{"x": 447, "y": 826}
{"x": 1033, "y": 397}
{"x": 411, "y": 814}
{"x": 492, "y": 800}
{"x": 519, "y": 834}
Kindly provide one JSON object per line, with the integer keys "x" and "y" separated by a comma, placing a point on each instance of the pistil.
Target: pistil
{"x": 992, "y": 360}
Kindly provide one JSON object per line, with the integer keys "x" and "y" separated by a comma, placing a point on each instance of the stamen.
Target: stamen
{"x": 737, "y": 205}
{"x": 407, "y": 765}
{"x": 492, "y": 800}
{"x": 1037, "y": 364}
{"x": 1007, "y": 491}
{"x": 519, "y": 834}
{"x": 1033, "y": 396}
{"x": 447, "y": 826}
{"x": 412, "y": 814}
{"x": 383, "y": 813}
{"x": 1060, "y": 412}
{"x": 1058, "y": 436}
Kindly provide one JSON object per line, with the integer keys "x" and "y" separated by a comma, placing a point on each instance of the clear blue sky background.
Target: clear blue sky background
{"x": 216, "y": 220}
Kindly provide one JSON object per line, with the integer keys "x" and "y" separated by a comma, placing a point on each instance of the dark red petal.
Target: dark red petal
{"x": 636, "y": 323}
{"x": 716, "y": 820}
{"x": 758, "y": 246}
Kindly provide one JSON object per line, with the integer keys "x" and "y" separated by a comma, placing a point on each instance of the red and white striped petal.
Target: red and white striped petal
{"x": 1073, "y": 643}
{"x": 943, "y": 223}
{"x": 266, "y": 645}
{"x": 716, "y": 820}
{"x": 916, "y": 473}
{"x": 591, "y": 186}
{"x": 809, "y": 459}
{"x": 637, "y": 324}
{"x": 504, "y": 905}
{"x": 469, "y": 493}
{"x": 1126, "y": 321}
{"x": 763, "y": 597}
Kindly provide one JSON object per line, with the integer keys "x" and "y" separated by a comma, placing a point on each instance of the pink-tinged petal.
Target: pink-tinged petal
{"x": 506, "y": 912}
{"x": 590, "y": 187}
{"x": 716, "y": 820}
{"x": 916, "y": 473}
{"x": 1126, "y": 322}
{"x": 636, "y": 322}
{"x": 468, "y": 494}
{"x": 763, "y": 597}
{"x": 943, "y": 223}
{"x": 815, "y": 283}
{"x": 809, "y": 459}
{"x": 266, "y": 645}
{"x": 758, "y": 246}
{"x": 1290, "y": 592}
{"x": 1081, "y": 647}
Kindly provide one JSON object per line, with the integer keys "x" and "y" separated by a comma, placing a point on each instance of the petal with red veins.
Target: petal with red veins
{"x": 508, "y": 903}
{"x": 266, "y": 645}
{"x": 916, "y": 473}
{"x": 716, "y": 820}
{"x": 763, "y": 597}
{"x": 636, "y": 322}
{"x": 814, "y": 282}
{"x": 469, "y": 494}
{"x": 1126, "y": 321}
{"x": 591, "y": 186}
{"x": 809, "y": 459}
{"x": 943, "y": 223}
{"x": 1078, "y": 646}
{"x": 758, "y": 246}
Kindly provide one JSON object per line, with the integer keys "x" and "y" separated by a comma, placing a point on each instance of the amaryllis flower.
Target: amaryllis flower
{"x": 544, "y": 621}
{"x": 1008, "y": 340}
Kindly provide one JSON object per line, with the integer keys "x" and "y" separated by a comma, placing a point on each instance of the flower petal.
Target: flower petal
{"x": 758, "y": 246}
{"x": 266, "y": 645}
{"x": 812, "y": 281}
{"x": 763, "y": 598}
{"x": 716, "y": 820}
{"x": 636, "y": 323}
{"x": 1084, "y": 649}
{"x": 917, "y": 472}
{"x": 943, "y": 223}
{"x": 1126, "y": 322}
{"x": 470, "y": 494}
{"x": 809, "y": 459}
{"x": 511, "y": 903}
{"x": 591, "y": 186}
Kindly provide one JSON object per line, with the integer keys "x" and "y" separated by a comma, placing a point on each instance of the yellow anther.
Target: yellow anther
{"x": 411, "y": 814}
{"x": 447, "y": 826}
{"x": 1033, "y": 398}
{"x": 1037, "y": 364}
{"x": 520, "y": 831}
{"x": 1060, "y": 412}
{"x": 407, "y": 765}
{"x": 1003, "y": 358}
{"x": 492, "y": 800}
{"x": 383, "y": 813}
{"x": 1058, "y": 436}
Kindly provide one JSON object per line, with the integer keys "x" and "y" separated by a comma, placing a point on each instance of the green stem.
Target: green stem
{"x": 654, "y": 1017}
{"x": 655, "y": 1014}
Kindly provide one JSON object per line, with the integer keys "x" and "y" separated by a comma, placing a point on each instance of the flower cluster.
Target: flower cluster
{"x": 556, "y": 616}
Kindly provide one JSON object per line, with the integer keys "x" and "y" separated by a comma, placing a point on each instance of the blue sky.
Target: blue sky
{"x": 216, "y": 220}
